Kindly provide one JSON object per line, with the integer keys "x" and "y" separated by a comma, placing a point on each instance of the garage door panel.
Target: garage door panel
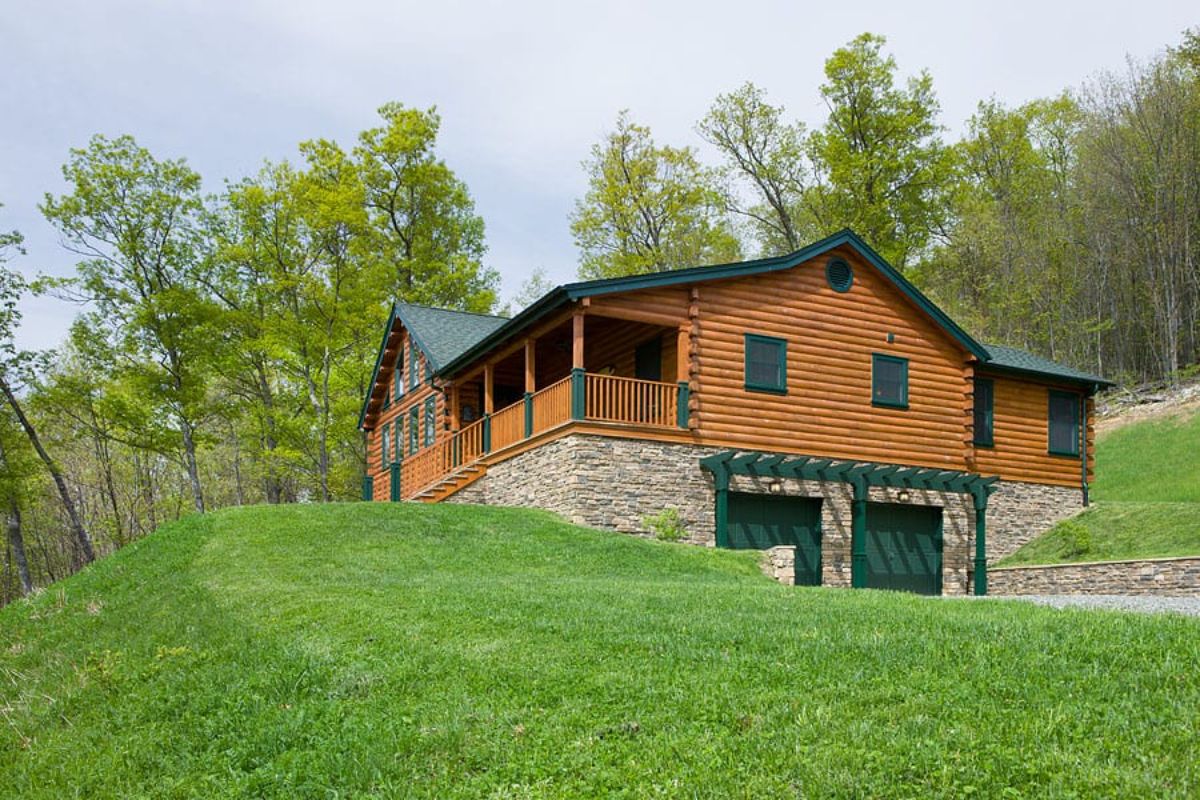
{"x": 904, "y": 548}
{"x": 762, "y": 521}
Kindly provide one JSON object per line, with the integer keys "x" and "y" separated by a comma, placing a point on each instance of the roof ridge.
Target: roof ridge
{"x": 448, "y": 310}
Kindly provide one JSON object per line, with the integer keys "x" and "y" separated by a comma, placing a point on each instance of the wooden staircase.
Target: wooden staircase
{"x": 452, "y": 483}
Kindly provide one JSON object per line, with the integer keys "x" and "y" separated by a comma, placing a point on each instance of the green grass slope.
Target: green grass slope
{"x": 383, "y": 650}
{"x": 1147, "y": 499}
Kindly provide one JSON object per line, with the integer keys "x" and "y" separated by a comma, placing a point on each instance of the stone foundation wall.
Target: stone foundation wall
{"x": 1178, "y": 577}
{"x": 614, "y": 483}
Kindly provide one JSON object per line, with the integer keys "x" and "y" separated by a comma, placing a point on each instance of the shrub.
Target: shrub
{"x": 666, "y": 525}
{"x": 1076, "y": 538}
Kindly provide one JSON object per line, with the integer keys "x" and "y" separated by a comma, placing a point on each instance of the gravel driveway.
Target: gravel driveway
{"x": 1146, "y": 604}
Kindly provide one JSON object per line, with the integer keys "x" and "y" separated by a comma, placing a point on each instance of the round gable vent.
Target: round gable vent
{"x": 839, "y": 275}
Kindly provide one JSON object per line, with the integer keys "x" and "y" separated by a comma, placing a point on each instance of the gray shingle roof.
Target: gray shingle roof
{"x": 444, "y": 335}
{"x": 1014, "y": 358}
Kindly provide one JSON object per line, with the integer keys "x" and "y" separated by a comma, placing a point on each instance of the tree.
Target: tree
{"x": 14, "y": 370}
{"x": 134, "y": 220}
{"x": 881, "y": 167}
{"x": 767, "y": 154}
{"x": 423, "y": 217}
{"x": 648, "y": 208}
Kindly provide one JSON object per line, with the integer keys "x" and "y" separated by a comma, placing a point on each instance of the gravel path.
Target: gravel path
{"x": 1146, "y": 604}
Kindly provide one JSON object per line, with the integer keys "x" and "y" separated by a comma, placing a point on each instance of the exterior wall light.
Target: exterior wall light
{"x": 903, "y": 496}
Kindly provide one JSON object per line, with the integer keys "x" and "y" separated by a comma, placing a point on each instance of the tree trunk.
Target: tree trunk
{"x": 78, "y": 531}
{"x": 274, "y": 486}
{"x": 193, "y": 471}
{"x": 17, "y": 542}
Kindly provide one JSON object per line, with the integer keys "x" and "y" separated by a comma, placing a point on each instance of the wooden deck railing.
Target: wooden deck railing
{"x": 552, "y": 405}
{"x": 607, "y": 398}
{"x": 427, "y": 466}
{"x": 631, "y": 401}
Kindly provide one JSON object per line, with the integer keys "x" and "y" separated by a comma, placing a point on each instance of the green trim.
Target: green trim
{"x": 779, "y": 387}
{"x": 368, "y": 488}
{"x": 412, "y": 365}
{"x": 574, "y": 291}
{"x": 394, "y": 471}
{"x": 528, "y": 414}
{"x": 987, "y": 436}
{"x": 414, "y": 430}
{"x": 876, "y": 358}
{"x": 487, "y": 433}
{"x": 682, "y": 412}
{"x": 981, "y": 543}
{"x": 387, "y": 332}
{"x": 858, "y": 536}
{"x": 430, "y": 421}
{"x": 385, "y": 444}
{"x": 578, "y": 393}
{"x": 1072, "y": 397}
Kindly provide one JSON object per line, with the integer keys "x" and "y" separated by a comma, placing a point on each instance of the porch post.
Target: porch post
{"x": 981, "y": 581}
{"x": 488, "y": 374}
{"x": 721, "y": 521}
{"x": 368, "y": 488}
{"x": 578, "y": 384}
{"x": 394, "y": 469}
{"x": 530, "y": 384}
{"x": 858, "y": 535}
{"x": 682, "y": 362}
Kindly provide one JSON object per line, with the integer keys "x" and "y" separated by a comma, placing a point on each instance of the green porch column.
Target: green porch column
{"x": 858, "y": 535}
{"x": 685, "y": 393}
{"x": 528, "y": 414}
{"x": 981, "y": 499}
{"x": 721, "y": 510}
{"x": 394, "y": 471}
{"x": 578, "y": 393}
{"x": 487, "y": 433}
{"x": 368, "y": 488}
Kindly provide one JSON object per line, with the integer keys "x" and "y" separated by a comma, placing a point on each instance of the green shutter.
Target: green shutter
{"x": 889, "y": 381}
{"x": 985, "y": 413}
{"x": 765, "y": 366}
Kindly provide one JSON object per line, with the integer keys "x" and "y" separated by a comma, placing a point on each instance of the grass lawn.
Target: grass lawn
{"x": 451, "y": 651}
{"x": 1150, "y": 461}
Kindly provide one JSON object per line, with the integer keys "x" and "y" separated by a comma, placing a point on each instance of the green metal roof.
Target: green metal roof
{"x": 1013, "y": 359}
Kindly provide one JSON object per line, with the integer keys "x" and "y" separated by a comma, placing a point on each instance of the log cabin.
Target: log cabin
{"x": 816, "y": 406}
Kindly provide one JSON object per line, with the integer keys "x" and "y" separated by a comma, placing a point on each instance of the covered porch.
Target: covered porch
{"x": 626, "y": 374}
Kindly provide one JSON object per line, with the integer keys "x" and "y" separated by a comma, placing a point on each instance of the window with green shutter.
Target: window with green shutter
{"x": 430, "y": 419}
{"x": 414, "y": 422}
{"x": 399, "y": 437}
{"x": 766, "y": 364}
{"x": 384, "y": 445}
{"x": 889, "y": 381}
{"x": 412, "y": 366}
{"x": 398, "y": 379}
{"x": 985, "y": 394}
{"x": 1063, "y": 432}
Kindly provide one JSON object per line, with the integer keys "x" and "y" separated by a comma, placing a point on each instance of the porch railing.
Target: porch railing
{"x": 631, "y": 401}
{"x": 606, "y": 398}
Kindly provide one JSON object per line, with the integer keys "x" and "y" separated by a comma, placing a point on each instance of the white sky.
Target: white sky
{"x": 524, "y": 88}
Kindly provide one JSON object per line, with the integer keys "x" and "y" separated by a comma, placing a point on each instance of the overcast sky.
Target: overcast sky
{"x": 524, "y": 89}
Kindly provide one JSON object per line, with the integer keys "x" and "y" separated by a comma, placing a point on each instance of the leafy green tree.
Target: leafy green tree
{"x": 16, "y": 368}
{"x": 423, "y": 216}
{"x": 768, "y": 155}
{"x": 881, "y": 165}
{"x": 648, "y": 208}
{"x": 134, "y": 221}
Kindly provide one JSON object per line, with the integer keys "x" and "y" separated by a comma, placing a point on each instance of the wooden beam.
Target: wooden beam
{"x": 683, "y": 345}
{"x": 453, "y": 400}
{"x": 488, "y": 370}
{"x": 577, "y": 340}
{"x": 634, "y": 315}
{"x": 530, "y": 366}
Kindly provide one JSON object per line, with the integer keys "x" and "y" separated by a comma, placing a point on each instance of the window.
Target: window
{"x": 766, "y": 364}
{"x": 1064, "y": 423}
{"x": 985, "y": 393}
{"x": 398, "y": 381}
{"x": 430, "y": 418}
{"x": 399, "y": 438}
{"x": 414, "y": 422}
{"x": 412, "y": 366}
{"x": 889, "y": 381}
{"x": 384, "y": 445}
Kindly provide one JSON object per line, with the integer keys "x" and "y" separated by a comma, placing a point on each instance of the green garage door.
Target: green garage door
{"x": 904, "y": 548}
{"x": 759, "y": 521}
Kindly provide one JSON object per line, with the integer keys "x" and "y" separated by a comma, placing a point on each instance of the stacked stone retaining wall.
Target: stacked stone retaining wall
{"x": 1178, "y": 577}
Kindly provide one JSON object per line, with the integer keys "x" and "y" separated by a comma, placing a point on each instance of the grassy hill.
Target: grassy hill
{"x": 394, "y": 650}
{"x": 1146, "y": 493}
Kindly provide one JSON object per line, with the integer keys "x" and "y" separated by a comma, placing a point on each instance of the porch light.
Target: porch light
{"x": 775, "y": 487}
{"x": 903, "y": 496}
